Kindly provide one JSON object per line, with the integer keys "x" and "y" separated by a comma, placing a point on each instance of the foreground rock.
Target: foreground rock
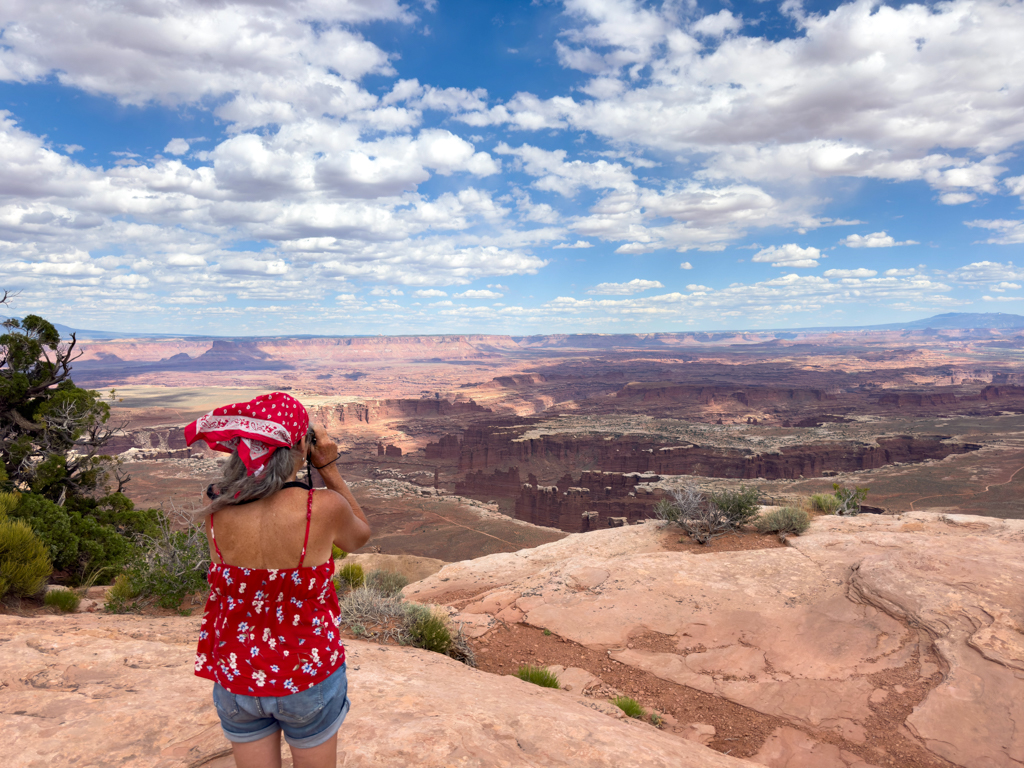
{"x": 412, "y": 567}
{"x": 119, "y": 691}
{"x": 861, "y": 620}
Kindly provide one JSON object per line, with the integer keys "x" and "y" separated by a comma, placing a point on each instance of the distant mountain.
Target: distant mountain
{"x": 959, "y": 321}
{"x": 950, "y": 321}
{"x": 82, "y": 334}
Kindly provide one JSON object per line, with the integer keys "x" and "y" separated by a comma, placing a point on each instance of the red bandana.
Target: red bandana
{"x": 256, "y": 428}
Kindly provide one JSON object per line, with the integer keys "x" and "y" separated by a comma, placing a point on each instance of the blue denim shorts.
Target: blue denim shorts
{"x": 308, "y": 718}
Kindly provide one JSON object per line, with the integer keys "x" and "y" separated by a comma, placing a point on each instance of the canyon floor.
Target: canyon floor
{"x": 527, "y": 465}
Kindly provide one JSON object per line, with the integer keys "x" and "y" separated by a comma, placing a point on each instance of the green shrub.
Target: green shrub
{"x": 694, "y": 513}
{"x": 87, "y": 539}
{"x": 165, "y": 568}
{"x": 850, "y": 499}
{"x": 370, "y": 613}
{"x": 24, "y": 562}
{"x": 386, "y": 582}
{"x": 52, "y": 524}
{"x": 64, "y": 600}
{"x": 118, "y": 512}
{"x": 739, "y": 507}
{"x": 826, "y": 503}
{"x": 338, "y": 553}
{"x": 102, "y": 551}
{"x": 538, "y": 676}
{"x": 8, "y": 501}
{"x": 352, "y": 574}
{"x": 427, "y": 629}
{"x": 122, "y": 591}
{"x": 630, "y": 706}
{"x": 665, "y": 510}
{"x": 365, "y": 608}
{"x": 783, "y": 521}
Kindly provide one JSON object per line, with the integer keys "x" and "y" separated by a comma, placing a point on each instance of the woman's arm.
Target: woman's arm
{"x": 354, "y": 529}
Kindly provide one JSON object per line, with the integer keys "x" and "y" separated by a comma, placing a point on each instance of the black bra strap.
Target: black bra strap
{"x": 211, "y": 493}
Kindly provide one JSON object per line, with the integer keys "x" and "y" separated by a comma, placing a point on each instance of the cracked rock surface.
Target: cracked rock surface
{"x": 816, "y": 634}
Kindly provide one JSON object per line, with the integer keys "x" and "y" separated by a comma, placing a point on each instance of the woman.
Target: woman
{"x": 269, "y": 638}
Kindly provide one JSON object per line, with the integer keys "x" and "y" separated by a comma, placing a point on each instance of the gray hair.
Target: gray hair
{"x": 235, "y": 486}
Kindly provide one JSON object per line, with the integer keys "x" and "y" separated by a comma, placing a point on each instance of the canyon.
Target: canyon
{"x": 556, "y": 430}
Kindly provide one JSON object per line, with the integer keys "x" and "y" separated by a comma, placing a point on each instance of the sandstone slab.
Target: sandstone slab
{"x": 412, "y": 567}
{"x": 96, "y": 690}
{"x": 493, "y": 571}
{"x": 702, "y": 733}
{"x": 964, "y": 589}
{"x": 790, "y": 748}
{"x": 575, "y": 679}
{"x": 798, "y": 633}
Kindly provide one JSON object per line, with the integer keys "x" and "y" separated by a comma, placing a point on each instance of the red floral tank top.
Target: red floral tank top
{"x": 270, "y": 632}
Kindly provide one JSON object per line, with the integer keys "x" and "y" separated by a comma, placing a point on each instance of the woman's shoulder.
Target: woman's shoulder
{"x": 329, "y": 501}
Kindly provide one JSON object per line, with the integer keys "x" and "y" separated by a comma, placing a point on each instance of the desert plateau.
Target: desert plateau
{"x": 513, "y": 480}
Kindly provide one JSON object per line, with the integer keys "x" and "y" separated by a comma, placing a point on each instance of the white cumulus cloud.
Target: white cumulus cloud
{"x": 980, "y": 272}
{"x": 633, "y": 286}
{"x": 556, "y": 174}
{"x": 874, "y": 240}
{"x": 717, "y": 24}
{"x": 957, "y": 198}
{"x": 860, "y": 272}
{"x": 1007, "y": 231}
{"x": 789, "y": 255}
{"x": 176, "y": 147}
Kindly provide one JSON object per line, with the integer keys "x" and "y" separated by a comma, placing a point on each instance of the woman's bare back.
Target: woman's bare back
{"x": 269, "y": 533}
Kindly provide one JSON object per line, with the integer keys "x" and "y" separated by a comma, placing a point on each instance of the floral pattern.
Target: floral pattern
{"x": 251, "y": 645}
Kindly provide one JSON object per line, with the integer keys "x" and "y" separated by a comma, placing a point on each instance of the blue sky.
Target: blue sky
{"x": 370, "y": 166}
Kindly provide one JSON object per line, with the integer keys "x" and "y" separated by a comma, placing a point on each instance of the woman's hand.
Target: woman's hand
{"x": 325, "y": 451}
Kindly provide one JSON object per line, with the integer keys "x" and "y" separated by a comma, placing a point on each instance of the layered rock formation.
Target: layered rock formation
{"x": 597, "y": 500}
{"x": 574, "y": 506}
{"x": 156, "y": 443}
{"x": 501, "y": 461}
{"x": 920, "y": 614}
{"x": 671, "y": 392}
{"x": 345, "y": 415}
{"x": 485, "y": 447}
